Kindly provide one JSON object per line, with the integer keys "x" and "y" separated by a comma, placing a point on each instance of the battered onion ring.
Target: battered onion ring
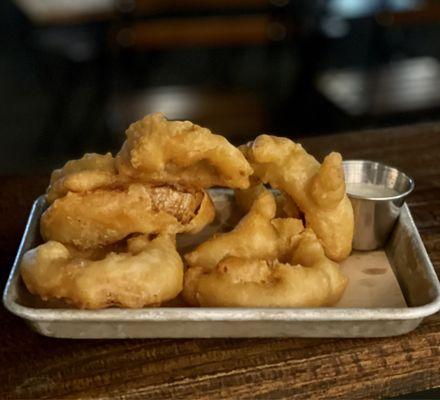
{"x": 91, "y": 172}
{"x": 309, "y": 279}
{"x": 180, "y": 152}
{"x": 101, "y": 217}
{"x": 149, "y": 273}
{"x": 318, "y": 190}
{"x": 259, "y": 235}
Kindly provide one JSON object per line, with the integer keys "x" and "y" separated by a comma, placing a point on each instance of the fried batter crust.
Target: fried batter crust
{"x": 149, "y": 273}
{"x": 101, "y": 217}
{"x": 92, "y": 171}
{"x": 318, "y": 190}
{"x": 180, "y": 152}
{"x": 258, "y": 235}
{"x": 263, "y": 262}
{"x": 309, "y": 279}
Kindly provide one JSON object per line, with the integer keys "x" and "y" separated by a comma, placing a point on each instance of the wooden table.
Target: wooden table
{"x": 34, "y": 366}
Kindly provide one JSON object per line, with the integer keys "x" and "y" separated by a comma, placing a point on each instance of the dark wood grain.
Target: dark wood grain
{"x": 33, "y": 366}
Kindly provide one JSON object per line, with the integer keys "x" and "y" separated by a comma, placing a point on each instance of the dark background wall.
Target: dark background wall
{"x": 72, "y": 83}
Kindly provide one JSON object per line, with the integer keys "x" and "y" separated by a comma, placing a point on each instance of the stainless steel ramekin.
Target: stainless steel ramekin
{"x": 374, "y": 214}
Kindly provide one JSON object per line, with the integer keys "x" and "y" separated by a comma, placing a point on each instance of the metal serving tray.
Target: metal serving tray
{"x": 405, "y": 251}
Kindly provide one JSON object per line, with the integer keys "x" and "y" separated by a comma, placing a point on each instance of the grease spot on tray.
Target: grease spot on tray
{"x": 371, "y": 282}
{"x": 374, "y": 271}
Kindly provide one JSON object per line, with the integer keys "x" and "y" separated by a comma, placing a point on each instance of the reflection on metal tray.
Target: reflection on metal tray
{"x": 405, "y": 251}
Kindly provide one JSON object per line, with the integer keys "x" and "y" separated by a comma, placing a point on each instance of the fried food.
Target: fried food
{"x": 308, "y": 279}
{"x": 148, "y": 273}
{"x": 110, "y": 227}
{"x": 245, "y": 198}
{"x": 180, "y": 152}
{"x": 93, "y": 171}
{"x": 258, "y": 235}
{"x": 102, "y": 217}
{"x": 286, "y": 207}
{"x": 262, "y": 253}
{"x": 317, "y": 190}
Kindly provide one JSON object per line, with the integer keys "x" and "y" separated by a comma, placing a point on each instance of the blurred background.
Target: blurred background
{"x": 75, "y": 73}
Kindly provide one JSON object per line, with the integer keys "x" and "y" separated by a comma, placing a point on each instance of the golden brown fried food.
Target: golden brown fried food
{"x": 102, "y": 217}
{"x": 180, "y": 152}
{"x": 308, "y": 279}
{"x": 245, "y": 198}
{"x": 91, "y": 172}
{"x": 318, "y": 190}
{"x": 286, "y": 207}
{"x": 149, "y": 273}
{"x": 105, "y": 213}
{"x": 259, "y": 235}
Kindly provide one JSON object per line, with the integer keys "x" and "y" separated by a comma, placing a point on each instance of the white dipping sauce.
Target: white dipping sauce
{"x": 370, "y": 190}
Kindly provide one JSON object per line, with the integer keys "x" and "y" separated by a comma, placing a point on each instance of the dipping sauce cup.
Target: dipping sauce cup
{"x": 377, "y": 193}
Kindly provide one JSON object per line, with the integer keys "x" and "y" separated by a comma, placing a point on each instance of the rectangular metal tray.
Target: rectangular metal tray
{"x": 405, "y": 251}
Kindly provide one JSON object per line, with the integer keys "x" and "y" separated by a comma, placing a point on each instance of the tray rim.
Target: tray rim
{"x": 201, "y": 314}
